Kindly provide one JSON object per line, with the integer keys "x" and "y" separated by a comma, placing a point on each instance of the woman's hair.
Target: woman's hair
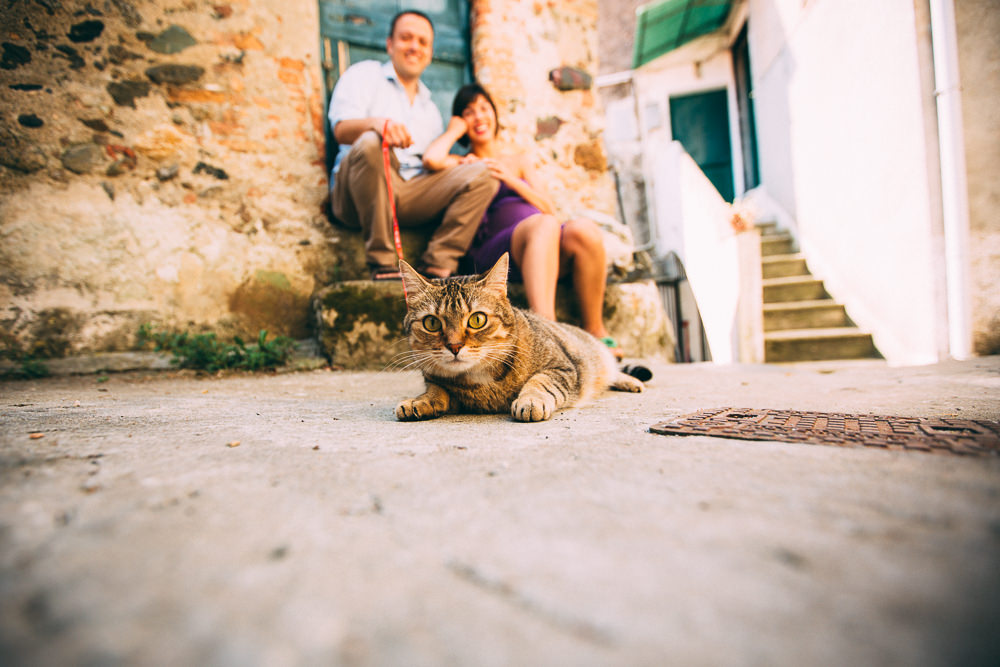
{"x": 465, "y": 96}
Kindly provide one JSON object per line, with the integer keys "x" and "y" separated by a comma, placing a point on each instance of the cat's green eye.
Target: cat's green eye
{"x": 477, "y": 320}
{"x": 431, "y": 323}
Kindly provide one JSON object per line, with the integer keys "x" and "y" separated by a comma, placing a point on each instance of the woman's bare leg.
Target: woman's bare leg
{"x": 582, "y": 253}
{"x": 535, "y": 247}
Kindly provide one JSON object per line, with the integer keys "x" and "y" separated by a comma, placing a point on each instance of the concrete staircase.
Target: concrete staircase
{"x": 801, "y": 321}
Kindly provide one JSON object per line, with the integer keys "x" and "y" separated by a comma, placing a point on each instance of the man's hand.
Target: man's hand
{"x": 395, "y": 134}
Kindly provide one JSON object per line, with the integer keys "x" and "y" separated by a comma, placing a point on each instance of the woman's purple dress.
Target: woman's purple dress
{"x": 492, "y": 239}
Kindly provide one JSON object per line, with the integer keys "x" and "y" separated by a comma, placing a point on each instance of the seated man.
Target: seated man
{"x": 373, "y": 100}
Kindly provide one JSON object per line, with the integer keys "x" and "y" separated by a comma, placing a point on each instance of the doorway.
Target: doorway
{"x": 744, "y": 104}
{"x": 701, "y": 123}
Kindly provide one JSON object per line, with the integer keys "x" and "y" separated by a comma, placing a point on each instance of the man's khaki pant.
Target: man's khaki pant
{"x": 456, "y": 197}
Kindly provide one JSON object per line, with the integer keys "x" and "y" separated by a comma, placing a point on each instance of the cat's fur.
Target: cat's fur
{"x": 514, "y": 362}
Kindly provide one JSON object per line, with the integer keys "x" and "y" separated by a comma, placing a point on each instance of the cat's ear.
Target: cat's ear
{"x": 495, "y": 279}
{"x": 413, "y": 282}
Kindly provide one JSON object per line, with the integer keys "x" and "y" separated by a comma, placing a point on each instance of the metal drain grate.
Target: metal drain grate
{"x": 942, "y": 435}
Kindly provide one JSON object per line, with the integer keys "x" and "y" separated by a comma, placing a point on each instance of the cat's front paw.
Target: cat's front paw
{"x": 532, "y": 408}
{"x": 413, "y": 409}
{"x": 627, "y": 383}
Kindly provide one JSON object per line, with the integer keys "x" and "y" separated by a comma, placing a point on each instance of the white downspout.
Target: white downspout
{"x": 954, "y": 191}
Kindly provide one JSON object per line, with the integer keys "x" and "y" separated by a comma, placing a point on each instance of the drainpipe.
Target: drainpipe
{"x": 954, "y": 191}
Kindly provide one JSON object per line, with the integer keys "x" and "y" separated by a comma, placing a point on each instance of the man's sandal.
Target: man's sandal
{"x": 386, "y": 273}
{"x": 423, "y": 270}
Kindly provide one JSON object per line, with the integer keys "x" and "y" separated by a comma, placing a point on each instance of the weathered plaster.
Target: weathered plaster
{"x": 173, "y": 202}
{"x": 978, "y": 24}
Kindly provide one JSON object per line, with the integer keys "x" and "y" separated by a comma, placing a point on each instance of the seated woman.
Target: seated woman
{"x": 520, "y": 218}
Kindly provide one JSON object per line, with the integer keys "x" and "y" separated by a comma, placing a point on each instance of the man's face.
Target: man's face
{"x": 411, "y": 46}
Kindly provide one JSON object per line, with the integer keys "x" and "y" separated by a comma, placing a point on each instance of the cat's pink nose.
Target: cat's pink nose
{"x": 454, "y": 347}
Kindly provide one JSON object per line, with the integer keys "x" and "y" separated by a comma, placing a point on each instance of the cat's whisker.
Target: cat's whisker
{"x": 405, "y": 354}
{"x": 415, "y": 361}
{"x": 500, "y": 353}
{"x": 505, "y": 354}
{"x": 409, "y": 360}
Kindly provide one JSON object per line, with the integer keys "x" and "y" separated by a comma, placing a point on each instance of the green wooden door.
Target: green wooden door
{"x": 356, "y": 30}
{"x": 701, "y": 123}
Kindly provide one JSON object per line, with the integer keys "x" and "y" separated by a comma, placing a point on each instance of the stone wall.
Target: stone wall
{"x": 161, "y": 162}
{"x": 616, "y": 31}
{"x": 518, "y": 48}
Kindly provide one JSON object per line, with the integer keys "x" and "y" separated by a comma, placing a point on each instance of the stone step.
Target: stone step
{"x": 359, "y": 323}
{"x": 818, "y": 314}
{"x": 349, "y": 250}
{"x": 818, "y": 344}
{"x": 767, "y": 227}
{"x": 776, "y": 244}
{"x": 780, "y": 266}
{"x": 793, "y": 288}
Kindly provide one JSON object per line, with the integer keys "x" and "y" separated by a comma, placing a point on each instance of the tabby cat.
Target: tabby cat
{"x": 478, "y": 353}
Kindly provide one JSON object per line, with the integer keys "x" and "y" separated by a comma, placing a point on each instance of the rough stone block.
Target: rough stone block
{"x": 174, "y": 74}
{"x": 359, "y": 323}
{"x": 124, "y": 93}
{"x": 172, "y": 40}
{"x": 571, "y": 78}
{"x": 86, "y": 31}
{"x": 82, "y": 158}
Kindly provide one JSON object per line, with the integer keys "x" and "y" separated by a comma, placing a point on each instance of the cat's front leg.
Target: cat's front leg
{"x": 624, "y": 382}
{"x": 434, "y": 402}
{"x": 539, "y": 398}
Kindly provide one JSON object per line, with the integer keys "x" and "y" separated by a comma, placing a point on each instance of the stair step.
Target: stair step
{"x": 793, "y": 288}
{"x": 776, "y": 244}
{"x": 779, "y": 266}
{"x": 767, "y": 228}
{"x": 816, "y": 314}
{"x": 818, "y": 344}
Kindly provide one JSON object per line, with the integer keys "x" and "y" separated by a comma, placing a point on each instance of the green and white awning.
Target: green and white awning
{"x": 663, "y": 26}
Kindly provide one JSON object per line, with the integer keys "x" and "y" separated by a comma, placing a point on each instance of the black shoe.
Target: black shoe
{"x": 638, "y": 371}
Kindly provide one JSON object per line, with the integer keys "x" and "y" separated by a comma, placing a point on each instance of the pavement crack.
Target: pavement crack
{"x": 560, "y": 620}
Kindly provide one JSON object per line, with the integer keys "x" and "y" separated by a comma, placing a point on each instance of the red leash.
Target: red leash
{"x": 388, "y": 185}
{"x": 386, "y": 162}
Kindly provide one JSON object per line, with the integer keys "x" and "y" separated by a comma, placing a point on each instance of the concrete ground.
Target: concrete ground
{"x": 169, "y": 519}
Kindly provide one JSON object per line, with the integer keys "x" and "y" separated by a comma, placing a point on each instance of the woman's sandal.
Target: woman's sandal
{"x": 613, "y": 346}
{"x": 638, "y": 371}
{"x": 386, "y": 273}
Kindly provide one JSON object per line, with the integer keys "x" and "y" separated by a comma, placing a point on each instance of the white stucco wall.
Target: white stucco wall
{"x": 700, "y": 67}
{"x": 842, "y": 147}
{"x": 694, "y": 223}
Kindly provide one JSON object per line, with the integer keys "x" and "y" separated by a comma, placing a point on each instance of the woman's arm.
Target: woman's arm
{"x": 437, "y": 156}
{"x": 518, "y": 174}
